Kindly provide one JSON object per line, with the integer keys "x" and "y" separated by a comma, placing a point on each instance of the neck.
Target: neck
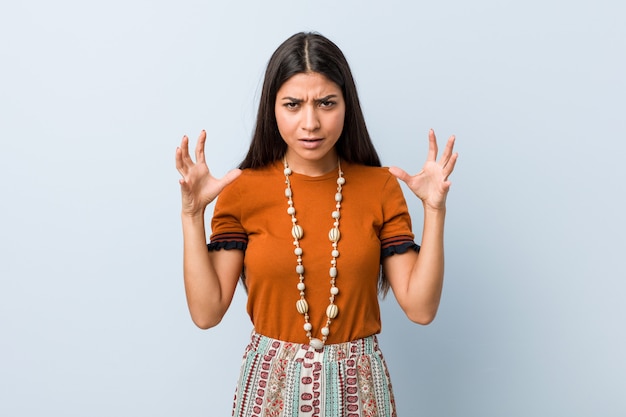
{"x": 312, "y": 168}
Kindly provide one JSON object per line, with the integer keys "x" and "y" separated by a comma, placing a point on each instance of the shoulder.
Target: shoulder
{"x": 254, "y": 183}
{"x": 365, "y": 170}
{"x": 368, "y": 176}
{"x": 272, "y": 170}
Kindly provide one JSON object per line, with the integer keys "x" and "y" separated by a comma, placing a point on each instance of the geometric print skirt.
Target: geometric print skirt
{"x": 283, "y": 379}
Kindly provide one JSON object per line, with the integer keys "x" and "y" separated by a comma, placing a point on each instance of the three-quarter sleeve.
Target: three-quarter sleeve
{"x": 227, "y": 231}
{"x": 396, "y": 235}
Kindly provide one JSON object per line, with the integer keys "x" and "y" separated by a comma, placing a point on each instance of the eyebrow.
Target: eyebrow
{"x": 317, "y": 100}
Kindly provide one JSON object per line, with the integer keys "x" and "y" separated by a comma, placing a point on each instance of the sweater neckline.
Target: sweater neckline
{"x": 279, "y": 166}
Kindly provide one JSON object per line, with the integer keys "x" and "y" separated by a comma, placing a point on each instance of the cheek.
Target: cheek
{"x": 282, "y": 122}
{"x": 337, "y": 123}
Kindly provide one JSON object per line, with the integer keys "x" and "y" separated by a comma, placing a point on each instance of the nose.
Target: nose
{"x": 310, "y": 119}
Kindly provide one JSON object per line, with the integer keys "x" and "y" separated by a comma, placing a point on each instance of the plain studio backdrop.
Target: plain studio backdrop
{"x": 95, "y": 97}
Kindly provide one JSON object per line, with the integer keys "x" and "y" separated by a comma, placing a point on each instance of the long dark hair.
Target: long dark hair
{"x": 301, "y": 53}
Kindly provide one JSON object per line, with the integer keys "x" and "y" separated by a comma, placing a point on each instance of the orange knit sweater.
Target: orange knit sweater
{"x": 253, "y": 212}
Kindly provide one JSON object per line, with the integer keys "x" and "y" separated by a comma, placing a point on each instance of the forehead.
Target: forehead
{"x": 306, "y": 84}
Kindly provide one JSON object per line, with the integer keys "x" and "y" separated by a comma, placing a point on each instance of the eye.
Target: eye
{"x": 327, "y": 103}
{"x": 291, "y": 105}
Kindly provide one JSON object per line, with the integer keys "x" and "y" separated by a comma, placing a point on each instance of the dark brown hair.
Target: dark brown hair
{"x": 301, "y": 53}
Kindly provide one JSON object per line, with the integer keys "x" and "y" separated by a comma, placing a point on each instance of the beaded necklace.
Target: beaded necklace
{"x": 333, "y": 235}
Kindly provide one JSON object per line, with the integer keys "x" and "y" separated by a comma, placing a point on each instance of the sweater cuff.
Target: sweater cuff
{"x": 399, "y": 249}
{"x": 398, "y": 244}
{"x": 228, "y": 241}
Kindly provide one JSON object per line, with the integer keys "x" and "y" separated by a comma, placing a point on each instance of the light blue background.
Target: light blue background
{"x": 95, "y": 96}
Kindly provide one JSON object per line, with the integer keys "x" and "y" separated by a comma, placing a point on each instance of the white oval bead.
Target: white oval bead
{"x": 334, "y": 290}
{"x": 333, "y": 272}
{"x": 299, "y": 269}
{"x": 291, "y": 210}
{"x": 288, "y": 192}
{"x": 336, "y": 214}
{"x": 302, "y": 306}
{"x": 301, "y": 287}
{"x": 316, "y": 344}
{"x": 338, "y": 197}
{"x": 308, "y": 327}
{"x": 296, "y": 231}
{"x": 332, "y": 311}
{"x": 325, "y": 331}
{"x": 341, "y": 180}
{"x": 287, "y": 171}
{"x": 298, "y": 251}
{"x": 335, "y": 253}
{"x": 334, "y": 234}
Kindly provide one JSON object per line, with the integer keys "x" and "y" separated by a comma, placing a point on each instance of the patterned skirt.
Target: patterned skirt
{"x": 282, "y": 379}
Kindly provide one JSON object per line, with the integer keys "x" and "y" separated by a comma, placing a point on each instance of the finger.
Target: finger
{"x": 200, "y": 148}
{"x": 446, "y": 188}
{"x": 182, "y": 155}
{"x": 184, "y": 187}
{"x": 179, "y": 160}
{"x": 450, "y": 166}
{"x": 400, "y": 174}
{"x": 184, "y": 147}
{"x": 432, "y": 146}
{"x": 231, "y": 176}
{"x": 447, "y": 152}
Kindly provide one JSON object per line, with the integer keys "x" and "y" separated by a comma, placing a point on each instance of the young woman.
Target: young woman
{"x": 315, "y": 229}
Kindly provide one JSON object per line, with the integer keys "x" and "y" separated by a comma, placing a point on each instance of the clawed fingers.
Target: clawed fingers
{"x": 447, "y": 155}
{"x": 184, "y": 162}
{"x": 431, "y": 184}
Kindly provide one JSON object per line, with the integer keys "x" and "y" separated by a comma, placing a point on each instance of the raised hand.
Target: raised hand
{"x": 431, "y": 184}
{"x": 198, "y": 187}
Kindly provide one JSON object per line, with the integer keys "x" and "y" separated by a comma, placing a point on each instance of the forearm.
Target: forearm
{"x": 426, "y": 279}
{"x": 202, "y": 285}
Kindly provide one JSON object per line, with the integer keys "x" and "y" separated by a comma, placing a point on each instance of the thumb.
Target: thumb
{"x": 221, "y": 183}
{"x": 400, "y": 174}
{"x": 231, "y": 176}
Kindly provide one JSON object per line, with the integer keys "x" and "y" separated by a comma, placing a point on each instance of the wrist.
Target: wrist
{"x": 437, "y": 211}
{"x": 192, "y": 218}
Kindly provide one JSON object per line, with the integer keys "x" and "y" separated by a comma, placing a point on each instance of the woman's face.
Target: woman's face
{"x": 310, "y": 111}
